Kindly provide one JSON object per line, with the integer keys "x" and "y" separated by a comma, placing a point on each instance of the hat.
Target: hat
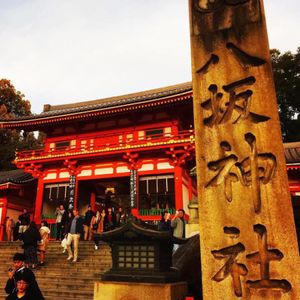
{"x": 23, "y": 277}
{"x": 19, "y": 257}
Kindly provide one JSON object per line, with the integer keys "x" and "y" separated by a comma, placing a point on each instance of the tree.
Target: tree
{"x": 286, "y": 71}
{"x": 13, "y": 100}
{"x": 13, "y": 104}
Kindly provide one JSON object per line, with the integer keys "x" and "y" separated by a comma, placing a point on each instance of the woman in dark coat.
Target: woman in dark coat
{"x": 30, "y": 239}
{"x": 109, "y": 220}
{"x": 165, "y": 223}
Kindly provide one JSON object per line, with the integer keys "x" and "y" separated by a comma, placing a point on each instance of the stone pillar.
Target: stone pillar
{"x": 192, "y": 227}
{"x": 247, "y": 233}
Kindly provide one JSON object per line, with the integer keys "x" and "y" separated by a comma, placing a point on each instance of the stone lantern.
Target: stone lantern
{"x": 140, "y": 254}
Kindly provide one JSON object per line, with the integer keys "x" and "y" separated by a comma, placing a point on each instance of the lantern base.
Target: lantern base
{"x": 109, "y": 290}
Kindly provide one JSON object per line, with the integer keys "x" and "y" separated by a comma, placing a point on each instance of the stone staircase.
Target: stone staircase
{"x": 59, "y": 278}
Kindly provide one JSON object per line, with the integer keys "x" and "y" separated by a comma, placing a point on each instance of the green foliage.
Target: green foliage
{"x": 13, "y": 104}
{"x": 286, "y": 71}
{"x": 13, "y": 100}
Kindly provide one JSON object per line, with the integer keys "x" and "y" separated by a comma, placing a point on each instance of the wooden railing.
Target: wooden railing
{"x": 155, "y": 211}
{"x": 104, "y": 146}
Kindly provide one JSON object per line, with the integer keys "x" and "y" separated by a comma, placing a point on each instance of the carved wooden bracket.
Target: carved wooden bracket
{"x": 35, "y": 170}
{"x": 71, "y": 166}
{"x": 132, "y": 160}
{"x": 178, "y": 157}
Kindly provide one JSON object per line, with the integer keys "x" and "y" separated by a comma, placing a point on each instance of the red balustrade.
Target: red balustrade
{"x": 107, "y": 143}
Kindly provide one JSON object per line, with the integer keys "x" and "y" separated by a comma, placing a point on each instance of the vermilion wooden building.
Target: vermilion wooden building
{"x": 134, "y": 151}
{"x": 292, "y": 157}
{"x": 17, "y": 191}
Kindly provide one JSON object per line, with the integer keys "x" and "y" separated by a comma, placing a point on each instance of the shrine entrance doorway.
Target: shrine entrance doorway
{"x": 103, "y": 193}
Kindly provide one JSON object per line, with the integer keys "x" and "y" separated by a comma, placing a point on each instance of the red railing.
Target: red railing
{"x": 105, "y": 143}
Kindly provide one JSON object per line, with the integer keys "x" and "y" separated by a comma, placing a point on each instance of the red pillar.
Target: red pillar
{"x": 178, "y": 187}
{"x": 39, "y": 201}
{"x": 3, "y": 211}
{"x": 93, "y": 201}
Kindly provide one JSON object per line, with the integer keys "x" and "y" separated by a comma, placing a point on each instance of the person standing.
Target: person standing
{"x": 66, "y": 219}
{"x": 9, "y": 228}
{"x": 42, "y": 247}
{"x": 109, "y": 220}
{"x": 24, "y": 219}
{"x": 21, "y": 291}
{"x": 59, "y": 212}
{"x": 97, "y": 225}
{"x": 165, "y": 223}
{"x": 120, "y": 217}
{"x": 75, "y": 228}
{"x": 178, "y": 224}
{"x": 87, "y": 224}
{"x": 16, "y": 231}
{"x": 30, "y": 239}
{"x": 16, "y": 273}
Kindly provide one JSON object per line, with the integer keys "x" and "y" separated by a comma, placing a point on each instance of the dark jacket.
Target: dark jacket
{"x": 30, "y": 237}
{"x": 24, "y": 219}
{"x": 120, "y": 218}
{"x": 65, "y": 218}
{"x": 88, "y": 217}
{"x": 33, "y": 290}
{"x": 79, "y": 225}
{"x": 164, "y": 225}
{"x": 110, "y": 225}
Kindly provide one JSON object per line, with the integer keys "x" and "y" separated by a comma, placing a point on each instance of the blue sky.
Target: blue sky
{"x": 62, "y": 51}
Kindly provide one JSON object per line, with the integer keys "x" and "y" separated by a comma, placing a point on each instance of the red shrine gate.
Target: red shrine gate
{"x": 134, "y": 151}
{"x": 102, "y": 143}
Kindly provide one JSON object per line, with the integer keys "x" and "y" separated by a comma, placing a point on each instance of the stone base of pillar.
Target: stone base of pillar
{"x": 191, "y": 229}
{"x": 110, "y": 290}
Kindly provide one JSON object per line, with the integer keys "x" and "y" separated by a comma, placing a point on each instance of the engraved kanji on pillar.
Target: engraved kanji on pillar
{"x": 241, "y": 175}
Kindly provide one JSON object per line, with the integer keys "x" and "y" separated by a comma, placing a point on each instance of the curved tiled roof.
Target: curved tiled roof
{"x": 111, "y": 102}
{"x": 292, "y": 152}
{"x": 15, "y": 176}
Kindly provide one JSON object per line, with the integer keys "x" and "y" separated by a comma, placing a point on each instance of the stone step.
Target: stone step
{"x": 3, "y": 296}
{"x": 50, "y": 247}
{"x": 59, "y": 278}
{"x": 88, "y": 287}
{"x": 88, "y": 295}
{"x": 67, "y": 267}
{"x": 63, "y": 259}
{"x": 84, "y": 273}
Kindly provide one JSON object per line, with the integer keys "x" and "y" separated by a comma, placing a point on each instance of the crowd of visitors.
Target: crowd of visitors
{"x": 70, "y": 228}
{"x": 77, "y": 227}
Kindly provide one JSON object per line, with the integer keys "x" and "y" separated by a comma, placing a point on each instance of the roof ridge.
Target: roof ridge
{"x": 143, "y": 94}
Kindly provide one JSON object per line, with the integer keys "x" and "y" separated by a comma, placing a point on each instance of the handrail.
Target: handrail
{"x": 103, "y": 143}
